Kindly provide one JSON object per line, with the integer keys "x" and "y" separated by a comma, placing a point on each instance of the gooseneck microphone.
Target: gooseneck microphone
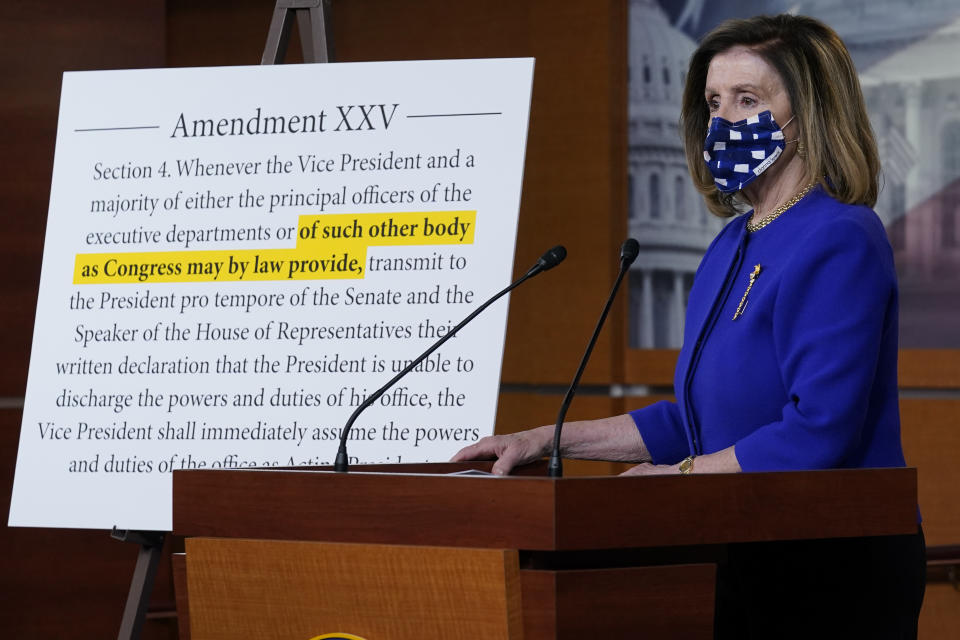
{"x": 547, "y": 261}
{"x": 628, "y": 253}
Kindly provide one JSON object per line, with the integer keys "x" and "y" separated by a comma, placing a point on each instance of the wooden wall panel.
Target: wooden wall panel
{"x": 930, "y": 429}
{"x": 931, "y": 442}
{"x": 37, "y": 44}
{"x": 55, "y": 583}
{"x": 574, "y": 193}
{"x": 930, "y": 368}
{"x": 940, "y": 616}
{"x": 209, "y": 33}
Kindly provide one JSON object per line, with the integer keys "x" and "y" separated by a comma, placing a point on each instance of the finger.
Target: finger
{"x": 481, "y": 450}
{"x": 515, "y": 451}
{"x": 509, "y": 458}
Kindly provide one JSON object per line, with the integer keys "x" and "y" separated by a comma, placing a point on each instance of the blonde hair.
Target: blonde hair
{"x": 825, "y": 95}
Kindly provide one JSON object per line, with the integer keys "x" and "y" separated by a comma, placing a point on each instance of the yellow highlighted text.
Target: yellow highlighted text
{"x": 328, "y": 247}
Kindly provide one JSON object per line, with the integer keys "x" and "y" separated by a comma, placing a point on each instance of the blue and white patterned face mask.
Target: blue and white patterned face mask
{"x": 737, "y": 152}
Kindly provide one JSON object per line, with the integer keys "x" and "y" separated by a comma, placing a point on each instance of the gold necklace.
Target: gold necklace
{"x": 764, "y": 221}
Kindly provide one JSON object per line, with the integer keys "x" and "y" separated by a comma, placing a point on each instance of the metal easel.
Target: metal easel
{"x": 135, "y": 611}
{"x": 313, "y": 19}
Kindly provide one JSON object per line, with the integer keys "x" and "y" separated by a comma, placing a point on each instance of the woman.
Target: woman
{"x": 789, "y": 359}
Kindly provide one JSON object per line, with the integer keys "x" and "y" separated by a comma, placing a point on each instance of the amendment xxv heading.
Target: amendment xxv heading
{"x": 354, "y": 117}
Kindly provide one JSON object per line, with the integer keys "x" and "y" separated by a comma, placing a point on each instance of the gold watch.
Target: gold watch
{"x": 686, "y": 465}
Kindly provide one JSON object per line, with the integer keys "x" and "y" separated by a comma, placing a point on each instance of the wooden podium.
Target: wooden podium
{"x": 407, "y": 551}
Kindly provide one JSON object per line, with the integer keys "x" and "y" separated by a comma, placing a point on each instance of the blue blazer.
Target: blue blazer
{"x": 805, "y": 377}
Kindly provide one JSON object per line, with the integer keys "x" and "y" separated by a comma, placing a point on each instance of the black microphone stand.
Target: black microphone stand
{"x": 628, "y": 253}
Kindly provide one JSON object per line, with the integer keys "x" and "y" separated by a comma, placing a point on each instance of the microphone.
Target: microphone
{"x": 628, "y": 253}
{"x": 547, "y": 261}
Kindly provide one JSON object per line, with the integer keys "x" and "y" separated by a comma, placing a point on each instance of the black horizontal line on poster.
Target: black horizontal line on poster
{"x": 455, "y": 115}
{"x": 152, "y": 126}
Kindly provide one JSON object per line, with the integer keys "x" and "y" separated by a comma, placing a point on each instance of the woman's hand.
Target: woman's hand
{"x": 615, "y": 439}
{"x": 650, "y": 469}
{"x": 724, "y": 461}
{"x": 511, "y": 450}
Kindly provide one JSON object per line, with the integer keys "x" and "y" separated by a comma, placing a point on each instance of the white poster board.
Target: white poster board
{"x": 236, "y": 256}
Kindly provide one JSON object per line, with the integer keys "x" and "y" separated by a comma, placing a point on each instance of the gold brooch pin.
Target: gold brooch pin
{"x": 743, "y": 301}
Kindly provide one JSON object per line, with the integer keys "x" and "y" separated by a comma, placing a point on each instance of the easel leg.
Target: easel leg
{"x": 313, "y": 18}
{"x": 135, "y": 611}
